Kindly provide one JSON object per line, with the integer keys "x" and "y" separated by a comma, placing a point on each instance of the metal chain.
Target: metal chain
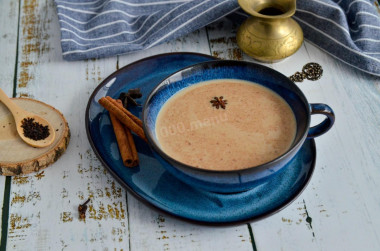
{"x": 310, "y": 71}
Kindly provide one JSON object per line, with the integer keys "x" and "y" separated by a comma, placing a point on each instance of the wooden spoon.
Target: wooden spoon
{"x": 20, "y": 114}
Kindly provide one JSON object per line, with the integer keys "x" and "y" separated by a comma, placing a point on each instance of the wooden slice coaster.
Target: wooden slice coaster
{"x": 17, "y": 157}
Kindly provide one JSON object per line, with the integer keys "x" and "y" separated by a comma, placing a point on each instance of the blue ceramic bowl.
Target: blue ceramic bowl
{"x": 237, "y": 180}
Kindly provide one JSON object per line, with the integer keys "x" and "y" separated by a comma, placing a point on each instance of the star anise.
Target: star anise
{"x": 219, "y": 102}
{"x": 129, "y": 98}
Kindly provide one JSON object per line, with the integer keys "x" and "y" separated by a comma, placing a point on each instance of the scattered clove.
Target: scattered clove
{"x": 82, "y": 210}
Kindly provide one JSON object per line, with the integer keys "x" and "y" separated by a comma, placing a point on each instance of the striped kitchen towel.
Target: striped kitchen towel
{"x": 349, "y": 30}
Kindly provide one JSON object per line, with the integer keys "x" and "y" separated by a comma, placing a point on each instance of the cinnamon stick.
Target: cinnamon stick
{"x": 131, "y": 142}
{"x": 128, "y": 113}
{"x": 132, "y": 122}
{"x": 124, "y": 138}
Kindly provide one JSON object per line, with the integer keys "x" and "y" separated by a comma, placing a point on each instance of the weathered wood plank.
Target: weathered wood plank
{"x": 8, "y": 42}
{"x": 151, "y": 230}
{"x": 292, "y": 228}
{"x": 339, "y": 207}
{"x": 156, "y": 231}
{"x": 43, "y": 213}
{"x": 270, "y": 233}
{"x": 344, "y": 190}
{"x": 222, "y": 39}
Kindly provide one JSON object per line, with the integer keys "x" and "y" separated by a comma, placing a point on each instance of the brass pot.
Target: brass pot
{"x": 271, "y": 34}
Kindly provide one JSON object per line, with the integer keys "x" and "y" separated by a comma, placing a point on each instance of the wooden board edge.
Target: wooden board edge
{"x": 35, "y": 165}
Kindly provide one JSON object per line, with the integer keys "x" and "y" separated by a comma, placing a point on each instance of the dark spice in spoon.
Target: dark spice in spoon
{"x": 34, "y": 130}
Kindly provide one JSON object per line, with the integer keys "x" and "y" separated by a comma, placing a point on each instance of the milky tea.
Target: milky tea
{"x": 256, "y": 126}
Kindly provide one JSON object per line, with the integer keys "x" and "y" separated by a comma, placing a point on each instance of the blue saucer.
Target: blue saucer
{"x": 151, "y": 183}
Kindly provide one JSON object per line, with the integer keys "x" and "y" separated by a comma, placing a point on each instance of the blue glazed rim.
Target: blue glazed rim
{"x": 160, "y": 210}
{"x": 225, "y": 63}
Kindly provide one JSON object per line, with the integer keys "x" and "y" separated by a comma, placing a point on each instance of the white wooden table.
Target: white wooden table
{"x": 339, "y": 209}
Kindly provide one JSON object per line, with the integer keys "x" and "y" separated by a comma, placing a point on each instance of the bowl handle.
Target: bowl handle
{"x": 326, "y": 124}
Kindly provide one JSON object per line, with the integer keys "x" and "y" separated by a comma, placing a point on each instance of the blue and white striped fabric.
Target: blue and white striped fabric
{"x": 349, "y": 30}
